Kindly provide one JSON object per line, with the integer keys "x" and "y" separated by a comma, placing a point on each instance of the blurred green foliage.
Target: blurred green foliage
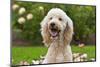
{"x": 83, "y": 17}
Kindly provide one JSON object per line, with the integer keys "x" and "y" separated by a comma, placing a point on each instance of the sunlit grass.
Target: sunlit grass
{"x": 30, "y": 53}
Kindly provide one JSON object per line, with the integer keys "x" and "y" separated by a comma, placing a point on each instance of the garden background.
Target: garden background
{"x": 25, "y": 25}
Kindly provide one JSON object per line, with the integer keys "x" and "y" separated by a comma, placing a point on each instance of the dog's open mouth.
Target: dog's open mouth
{"x": 54, "y": 32}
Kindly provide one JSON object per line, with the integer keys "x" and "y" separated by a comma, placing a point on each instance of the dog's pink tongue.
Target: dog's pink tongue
{"x": 54, "y": 34}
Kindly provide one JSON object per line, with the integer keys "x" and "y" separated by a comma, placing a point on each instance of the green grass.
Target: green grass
{"x": 89, "y": 50}
{"x": 27, "y": 53}
{"x": 30, "y": 53}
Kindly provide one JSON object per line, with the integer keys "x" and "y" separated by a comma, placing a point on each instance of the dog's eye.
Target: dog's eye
{"x": 60, "y": 19}
{"x": 50, "y": 18}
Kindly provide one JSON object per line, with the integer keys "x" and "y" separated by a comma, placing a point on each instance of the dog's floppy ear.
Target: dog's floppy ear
{"x": 68, "y": 32}
{"x": 44, "y": 32}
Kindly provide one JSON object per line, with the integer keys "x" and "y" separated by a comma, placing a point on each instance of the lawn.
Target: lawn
{"x": 30, "y": 53}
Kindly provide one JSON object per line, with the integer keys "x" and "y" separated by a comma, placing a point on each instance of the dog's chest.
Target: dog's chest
{"x": 61, "y": 55}
{"x": 59, "y": 52}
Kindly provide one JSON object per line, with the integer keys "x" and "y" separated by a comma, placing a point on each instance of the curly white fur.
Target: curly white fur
{"x": 57, "y": 31}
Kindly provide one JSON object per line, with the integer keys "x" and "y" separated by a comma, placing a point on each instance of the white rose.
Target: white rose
{"x": 21, "y": 20}
{"x": 75, "y": 55}
{"x": 84, "y": 55}
{"x": 41, "y": 7}
{"x": 15, "y": 6}
{"x": 81, "y": 59}
{"x": 77, "y": 59}
{"x": 92, "y": 59}
{"x": 29, "y": 16}
{"x": 35, "y": 62}
{"x": 21, "y": 10}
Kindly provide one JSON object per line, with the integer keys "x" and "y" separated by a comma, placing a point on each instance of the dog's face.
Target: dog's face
{"x": 55, "y": 25}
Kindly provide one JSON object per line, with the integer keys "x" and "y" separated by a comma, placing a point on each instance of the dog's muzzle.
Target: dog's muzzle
{"x": 54, "y": 31}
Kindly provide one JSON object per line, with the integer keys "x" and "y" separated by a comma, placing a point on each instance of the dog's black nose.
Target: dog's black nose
{"x": 52, "y": 24}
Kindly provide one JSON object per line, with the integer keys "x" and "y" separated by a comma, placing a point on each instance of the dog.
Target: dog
{"x": 57, "y": 33}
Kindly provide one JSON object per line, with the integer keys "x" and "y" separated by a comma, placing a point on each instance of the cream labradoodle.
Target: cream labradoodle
{"x": 57, "y": 31}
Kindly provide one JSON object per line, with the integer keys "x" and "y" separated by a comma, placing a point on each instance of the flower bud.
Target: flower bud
{"x": 21, "y": 20}
{"x": 29, "y": 16}
{"x": 15, "y": 6}
{"x": 22, "y": 10}
{"x": 41, "y": 7}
